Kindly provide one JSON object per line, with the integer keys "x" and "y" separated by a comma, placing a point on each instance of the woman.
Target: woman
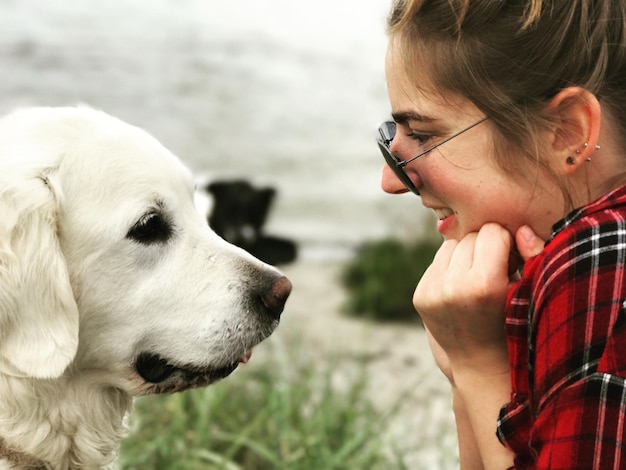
{"x": 509, "y": 121}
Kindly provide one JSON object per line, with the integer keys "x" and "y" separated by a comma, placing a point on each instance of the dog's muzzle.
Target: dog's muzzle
{"x": 165, "y": 375}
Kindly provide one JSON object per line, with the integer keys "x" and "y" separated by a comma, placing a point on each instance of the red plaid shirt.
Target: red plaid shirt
{"x": 566, "y": 330}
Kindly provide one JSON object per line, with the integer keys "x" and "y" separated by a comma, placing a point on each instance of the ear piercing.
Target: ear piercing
{"x": 571, "y": 160}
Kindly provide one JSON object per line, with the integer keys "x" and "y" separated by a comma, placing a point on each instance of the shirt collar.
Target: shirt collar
{"x": 613, "y": 199}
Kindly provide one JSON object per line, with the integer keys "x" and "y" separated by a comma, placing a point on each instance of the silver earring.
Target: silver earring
{"x": 598, "y": 147}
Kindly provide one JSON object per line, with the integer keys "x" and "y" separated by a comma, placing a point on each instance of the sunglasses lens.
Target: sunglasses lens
{"x": 388, "y": 130}
{"x": 392, "y": 162}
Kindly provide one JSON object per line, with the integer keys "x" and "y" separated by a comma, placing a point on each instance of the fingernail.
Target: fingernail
{"x": 527, "y": 233}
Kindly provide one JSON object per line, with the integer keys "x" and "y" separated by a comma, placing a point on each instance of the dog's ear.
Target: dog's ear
{"x": 38, "y": 313}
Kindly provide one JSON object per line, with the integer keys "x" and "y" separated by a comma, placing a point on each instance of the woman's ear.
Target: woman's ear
{"x": 576, "y": 114}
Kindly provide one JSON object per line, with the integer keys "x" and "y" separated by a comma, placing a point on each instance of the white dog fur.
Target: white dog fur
{"x": 111, "y": 285}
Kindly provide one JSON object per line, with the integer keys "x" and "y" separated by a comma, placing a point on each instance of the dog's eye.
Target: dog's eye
{"x": 151, "y": 228}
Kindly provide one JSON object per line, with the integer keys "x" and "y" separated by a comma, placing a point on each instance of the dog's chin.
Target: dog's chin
{"x": 161, "y": 376}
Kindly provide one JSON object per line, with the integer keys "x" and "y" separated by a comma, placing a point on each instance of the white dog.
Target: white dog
{"x": 111, "y": 285}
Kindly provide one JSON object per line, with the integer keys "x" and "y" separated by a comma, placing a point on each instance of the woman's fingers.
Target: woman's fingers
{"x": 491, "y": 251}
{"x": 528, "y": 243}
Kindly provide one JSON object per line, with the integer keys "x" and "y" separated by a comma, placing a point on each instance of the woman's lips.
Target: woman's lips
{"x": 443, "y": 213}
{"x": 445, "y": 218}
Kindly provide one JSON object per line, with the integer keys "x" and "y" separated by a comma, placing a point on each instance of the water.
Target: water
{"x": 283, "y": 93}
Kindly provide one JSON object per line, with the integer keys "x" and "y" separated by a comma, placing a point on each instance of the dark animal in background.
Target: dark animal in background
{"x": 239, "y": 213}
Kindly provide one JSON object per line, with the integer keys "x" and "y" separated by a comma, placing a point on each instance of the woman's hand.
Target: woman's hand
{"x": 528, "y": 245}
{"x": 461, "y": 297}
{"x": 461, "y": 300}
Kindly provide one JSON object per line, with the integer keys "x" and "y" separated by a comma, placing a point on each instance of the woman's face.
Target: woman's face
{"x": 461, "y": 181}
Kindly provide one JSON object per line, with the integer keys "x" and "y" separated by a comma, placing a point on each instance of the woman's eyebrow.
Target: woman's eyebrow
{"x": 406, "y": 116}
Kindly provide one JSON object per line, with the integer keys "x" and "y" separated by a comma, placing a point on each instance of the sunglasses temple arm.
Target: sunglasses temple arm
{"x": 404, "y": 163}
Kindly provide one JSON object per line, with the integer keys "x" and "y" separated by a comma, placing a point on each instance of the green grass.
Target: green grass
{"x": 380, "y": 281}
{"x": 276, "y": 414}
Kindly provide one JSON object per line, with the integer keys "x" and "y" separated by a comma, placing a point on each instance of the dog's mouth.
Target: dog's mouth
{"x": 162, "y": 376}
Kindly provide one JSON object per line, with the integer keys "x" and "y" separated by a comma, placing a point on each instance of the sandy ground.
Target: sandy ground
{"x": 398, "y": 362}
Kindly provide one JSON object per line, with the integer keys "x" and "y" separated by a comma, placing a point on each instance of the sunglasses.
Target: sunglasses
{"x": 387, "y": 131}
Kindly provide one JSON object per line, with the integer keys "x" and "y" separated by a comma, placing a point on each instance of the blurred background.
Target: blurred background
{"x": 288, "y": 95}
{"x": 283, "y": 93}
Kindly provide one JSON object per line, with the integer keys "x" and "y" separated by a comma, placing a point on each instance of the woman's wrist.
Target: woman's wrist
{"x": 479, "y": 365}
{"x": 478, "y": 397}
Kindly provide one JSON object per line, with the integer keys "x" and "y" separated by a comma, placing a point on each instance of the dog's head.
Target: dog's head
{"x": 106, "y": 266}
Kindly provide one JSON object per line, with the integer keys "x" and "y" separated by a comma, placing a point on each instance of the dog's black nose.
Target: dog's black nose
{"x": 275, "y": 296}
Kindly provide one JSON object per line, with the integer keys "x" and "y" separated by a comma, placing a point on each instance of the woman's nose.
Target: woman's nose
{"x": 390, "y": 182}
